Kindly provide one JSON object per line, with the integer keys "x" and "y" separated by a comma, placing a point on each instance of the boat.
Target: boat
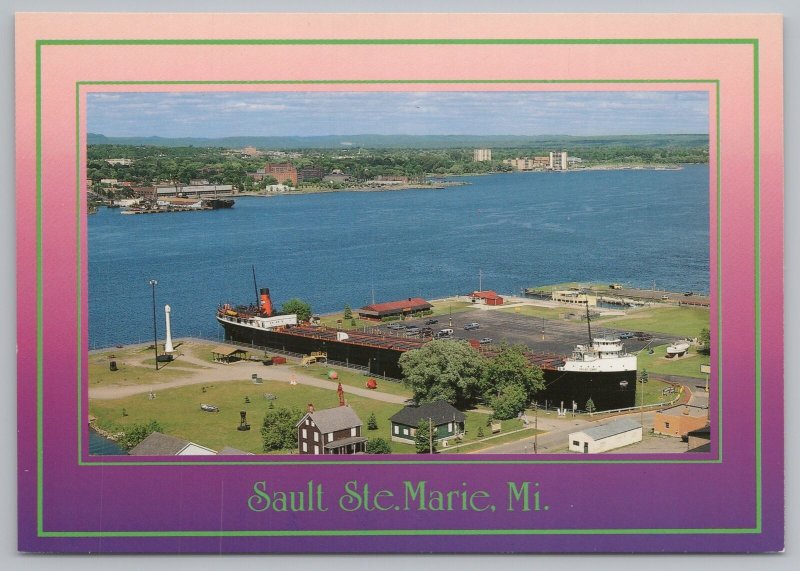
{"x": 677, "y": 349}
{"x": 602, "y": 371}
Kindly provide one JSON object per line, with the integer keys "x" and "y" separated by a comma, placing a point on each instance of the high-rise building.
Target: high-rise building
{"x": 481, "y": 155}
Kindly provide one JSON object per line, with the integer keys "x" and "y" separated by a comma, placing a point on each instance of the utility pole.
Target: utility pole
{"x": 430, "y": 434}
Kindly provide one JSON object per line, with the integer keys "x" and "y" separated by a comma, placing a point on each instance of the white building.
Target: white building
{"x": 480, "y": 155}
{"x": 605, "y": 437}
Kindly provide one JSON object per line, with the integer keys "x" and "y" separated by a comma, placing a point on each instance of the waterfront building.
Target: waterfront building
{"x": 281, "y": 171}
{"x": 379, "y": 311}
{"x": 573, "y": 297}
{"x": 558, "y": 161}
{"x": 481, "y": 155}
{"x": 158, "y": 444}
{"x": 487, "y": 297}
{"x": 309, "y": 173}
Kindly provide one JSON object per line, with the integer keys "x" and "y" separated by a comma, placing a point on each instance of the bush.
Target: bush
{"x": 378, "y": 446}
{"x": 278, "y": 430}
{"x": 133, "y": 435}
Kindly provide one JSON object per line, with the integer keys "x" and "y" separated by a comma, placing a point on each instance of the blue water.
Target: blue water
{"x": 520, "y": 230}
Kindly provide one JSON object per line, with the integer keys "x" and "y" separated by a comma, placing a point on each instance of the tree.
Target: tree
{"x": 510, "y": 382}
{"x": 423, "y": 441}
{"x": 348, "y": 312}
{"x": 480, "y": 432}
{"x": 590, "y": 408}
{"x": 278, "y": 430}
{"x": 510, "y": 402}
{"x": 372, "y": 422}
{"x": 134, "y": 434}
{"x": 643, "y": 376}
{"x": 299, "y": 307}
{"x": 378, "y": 446}
{"x": 705, "y": 341}
{"x": 444, "y": 370}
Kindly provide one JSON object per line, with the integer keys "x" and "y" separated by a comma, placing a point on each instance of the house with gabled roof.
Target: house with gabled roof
{"x": 159, "y": 444}
{"x": 446, "y": 421}
{"x": 330, "y": 431}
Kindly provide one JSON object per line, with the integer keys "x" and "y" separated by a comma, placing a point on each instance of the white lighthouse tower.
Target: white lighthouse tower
{"x": 168, "y": 343}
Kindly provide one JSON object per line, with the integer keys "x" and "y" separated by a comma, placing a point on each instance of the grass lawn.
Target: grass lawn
{"x": 688, "y": 366}
{"x": 678, "y": 321}
{"x": 353, "y": 379}
{"x": 131, "y": 374}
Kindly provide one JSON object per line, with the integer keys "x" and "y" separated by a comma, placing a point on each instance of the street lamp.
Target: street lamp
{"x": 153, "y": 284}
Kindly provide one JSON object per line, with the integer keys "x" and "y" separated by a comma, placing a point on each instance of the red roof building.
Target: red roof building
{"x": 487, "y": 297}
{"x": 392, "y": 308}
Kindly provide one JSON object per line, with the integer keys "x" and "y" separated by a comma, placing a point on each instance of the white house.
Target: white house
{"x": 606, "y": 437}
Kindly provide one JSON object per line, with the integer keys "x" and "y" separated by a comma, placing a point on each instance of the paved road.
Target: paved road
{"x": 238, "y": 371}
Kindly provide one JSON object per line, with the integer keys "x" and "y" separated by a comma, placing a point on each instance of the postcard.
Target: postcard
{"x": 421, "y": 283}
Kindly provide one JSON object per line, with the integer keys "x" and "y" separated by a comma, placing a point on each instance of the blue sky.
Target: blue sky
{"x": 209, "y": 114}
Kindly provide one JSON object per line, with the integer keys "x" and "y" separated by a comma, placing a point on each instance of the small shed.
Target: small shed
{"x": 605, "y": 437}
{"x": 227, "y": 354}
{"x": 487, "y": 297}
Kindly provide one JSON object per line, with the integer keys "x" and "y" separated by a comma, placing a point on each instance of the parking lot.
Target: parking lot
{"x": 541, "y": 335}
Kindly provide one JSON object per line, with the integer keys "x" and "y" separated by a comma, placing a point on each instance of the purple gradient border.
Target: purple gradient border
{"x": 124, "y": 529}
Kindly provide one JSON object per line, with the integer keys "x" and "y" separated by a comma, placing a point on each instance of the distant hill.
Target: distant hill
{"x": 411, "y": 141}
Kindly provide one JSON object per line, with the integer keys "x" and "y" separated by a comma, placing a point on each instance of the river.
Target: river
{"x": 516, "y": 230}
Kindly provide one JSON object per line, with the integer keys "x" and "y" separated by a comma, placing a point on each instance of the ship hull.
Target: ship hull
{"x": 608, "y": 390}
{"x": 379, "y": 361}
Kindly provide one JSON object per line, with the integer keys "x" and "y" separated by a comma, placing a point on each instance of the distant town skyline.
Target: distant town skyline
{"x": 527, "y": 113}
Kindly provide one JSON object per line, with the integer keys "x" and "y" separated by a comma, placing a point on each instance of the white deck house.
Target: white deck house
{"x": 606, "y": 437}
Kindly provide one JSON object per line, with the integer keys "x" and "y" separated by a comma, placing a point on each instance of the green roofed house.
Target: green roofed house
{"x": 447, "y": 421}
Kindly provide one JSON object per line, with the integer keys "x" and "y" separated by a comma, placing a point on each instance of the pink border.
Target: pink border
{"x": 731, "y": 64}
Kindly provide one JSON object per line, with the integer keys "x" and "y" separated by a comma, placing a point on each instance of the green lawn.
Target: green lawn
{"x": 688, "y": 366}
{"x": 178, "y": 412}
{"x": 352, "y": 378}
{"x": 678, "y": 321}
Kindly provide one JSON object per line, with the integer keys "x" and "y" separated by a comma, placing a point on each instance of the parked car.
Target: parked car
{"x": 396, "y": 326}
{"x": 485, "y": 340}
{"x": 444, "y": 334}
{"x": 688, "y": 293}
{"x": 431, "y": 321}
{"x": 426, "y": 331}
{"x": 642, "y": 336}
{"x": 413, "y": 330}
{"x": 472, "y": 325}
{"x": 626, "y": 335}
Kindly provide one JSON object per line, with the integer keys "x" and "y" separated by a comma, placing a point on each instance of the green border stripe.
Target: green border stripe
{"x": 301, "y": 533}
{"x": 409, "y": 532}
{"x": 757, "y": 272}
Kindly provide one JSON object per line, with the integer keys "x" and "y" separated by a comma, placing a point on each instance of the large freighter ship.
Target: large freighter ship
{"x": 602, "y": 371}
